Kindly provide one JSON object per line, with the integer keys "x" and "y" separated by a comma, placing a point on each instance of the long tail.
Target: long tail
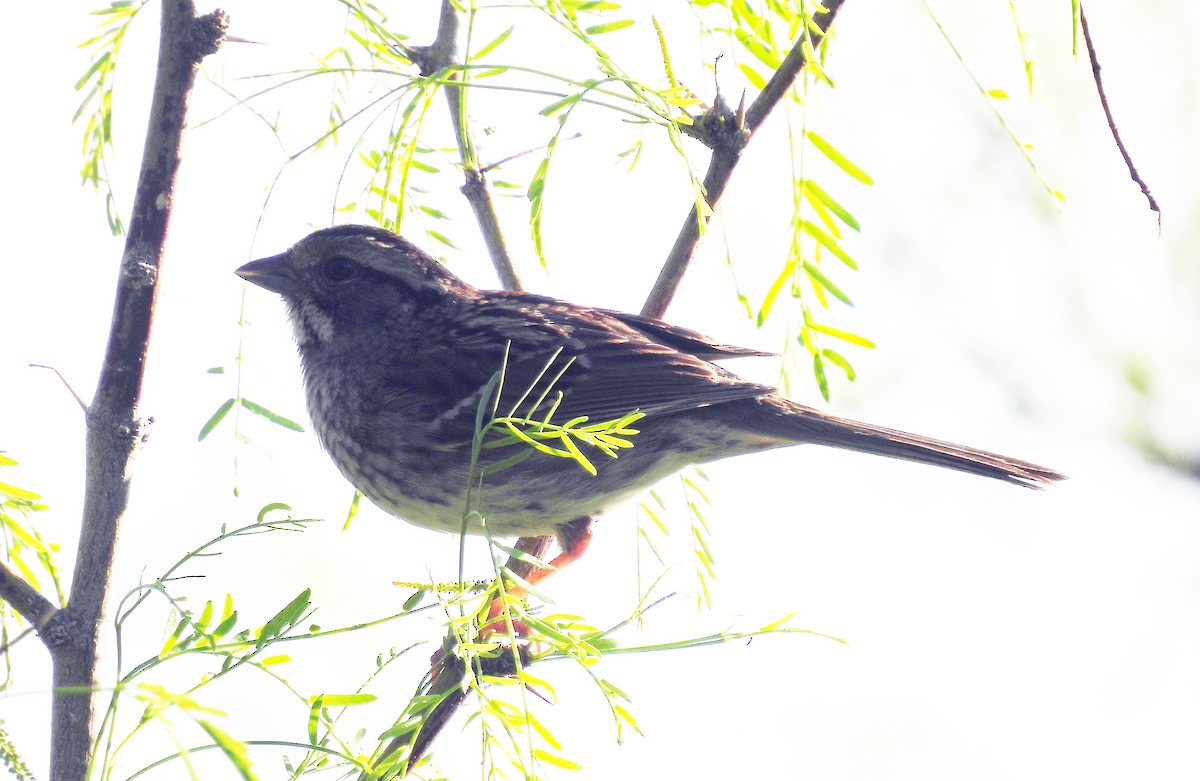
{"x": 805, "y": 424}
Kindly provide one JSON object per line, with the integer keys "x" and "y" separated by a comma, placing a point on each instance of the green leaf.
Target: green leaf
{"x": 314, "y": 717}
{"x": 838, "y": 159}
{"x": 441, "y": 237}
{"x": 173, "y": 641}
{"x": 828, "y": 242}
{"x": 845, "y": 336}
{"x": 557, "y": 761}
{"x": 352, "y": 513}
{"x": 234, "y": 750}
{"x": 608, "y": 27}
{"x": 290, "y": 614}
{"x": 836, "y": 358}
{"x": 18, "y": 493}
{"x": 769, "y": 300}
{"x": 754, "y": 77}
{"x": 404, "y": 727}
{"x": 226, "y": 626}
{"x": 491, "y": 45}
{"x": 216, "y": 418}
{"x": 416, "y": 599}
{"x": 560, "y": 104}
{"x": 272, "y": 507}
{"x": 818, "y": 193}
{"x": 97, "y": 65}
{"x": 343, "y": 700}
{"x": 262, "y": 411}
{"x": 777, "y": 622}
{"x": 819, "y": 373}
{"x": 815, "y": 274}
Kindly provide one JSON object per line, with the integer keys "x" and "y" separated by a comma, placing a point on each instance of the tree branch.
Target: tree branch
{"x": 727, "y": 133}
{"x": 442, "y": 57}
{"x": 1112, "y": 123}
{"x": 114, "y": 429}
{"x": 24, "y": 599}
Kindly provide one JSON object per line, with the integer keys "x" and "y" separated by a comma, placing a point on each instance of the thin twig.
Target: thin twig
{"x": 82, "y": 404}
{"x": 114, "y": 430}
{"x": 1112, "y": 124}
{"x": 727, "y": 133}
{"x": 441, "y": 57}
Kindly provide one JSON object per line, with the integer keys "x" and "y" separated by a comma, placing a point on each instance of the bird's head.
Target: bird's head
{"x": 352, "y": 277}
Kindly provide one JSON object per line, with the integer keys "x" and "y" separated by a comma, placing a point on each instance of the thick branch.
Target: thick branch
{"x": 24, "y": 598}
{"x": 728, "y": 133}
{"x": 114, "y": 429}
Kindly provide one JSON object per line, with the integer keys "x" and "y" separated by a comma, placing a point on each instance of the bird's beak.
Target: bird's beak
{"x": 273, "y": 273}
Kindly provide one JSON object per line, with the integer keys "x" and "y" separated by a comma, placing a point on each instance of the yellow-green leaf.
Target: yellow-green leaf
{"x": 608, "y": 27}
{"x": 838, "y": 159}
{"x": 489, "y": 47}
{"x": 828, "y": 242}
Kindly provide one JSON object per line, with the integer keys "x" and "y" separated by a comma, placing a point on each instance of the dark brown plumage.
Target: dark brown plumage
{"x": 398, "y": 352}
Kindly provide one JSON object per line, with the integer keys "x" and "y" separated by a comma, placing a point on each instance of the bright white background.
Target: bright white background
{"x": 992, "y": 633}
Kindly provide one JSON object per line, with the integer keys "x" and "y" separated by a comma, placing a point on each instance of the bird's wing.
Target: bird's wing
{"x": 582, "y": 362}
{"x": 612, "y": 364}
{"x": 682, "y": 339}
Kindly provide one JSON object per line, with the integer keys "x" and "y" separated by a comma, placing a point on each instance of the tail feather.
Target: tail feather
{"x": 810, "y": 425}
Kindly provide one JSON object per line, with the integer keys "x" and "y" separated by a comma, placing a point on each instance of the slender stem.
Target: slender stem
{"x": 1112, "y": 123}
{"x": 441, "y": 56}
{"x": 114, "y": 429}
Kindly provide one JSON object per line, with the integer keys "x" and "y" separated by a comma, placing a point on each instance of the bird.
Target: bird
{"x": 404, "y": 364}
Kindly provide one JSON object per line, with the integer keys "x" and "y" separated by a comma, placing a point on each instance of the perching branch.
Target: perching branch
{"x": 727, "y": 133}
{"x": 114, "y": 428}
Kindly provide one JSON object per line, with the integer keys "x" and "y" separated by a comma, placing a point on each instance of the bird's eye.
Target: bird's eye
{"x": 339, "y": 269}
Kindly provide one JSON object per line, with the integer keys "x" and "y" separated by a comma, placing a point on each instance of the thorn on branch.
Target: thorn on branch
{"x": 206, "y": 34}
{"x": 719, "y": 127}
{"x": 82, "y": 404}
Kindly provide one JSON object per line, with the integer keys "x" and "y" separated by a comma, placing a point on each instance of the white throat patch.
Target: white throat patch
{"x": 310, "y": 323}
